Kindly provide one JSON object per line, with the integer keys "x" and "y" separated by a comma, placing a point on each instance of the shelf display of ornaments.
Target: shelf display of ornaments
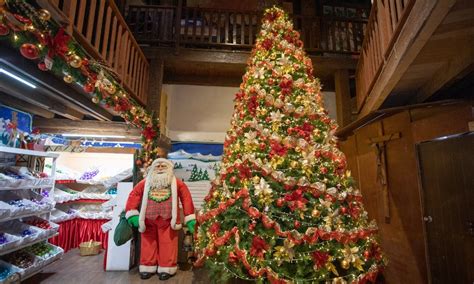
{"x": 13, "y": 177}
{"x": 27, "y": 198}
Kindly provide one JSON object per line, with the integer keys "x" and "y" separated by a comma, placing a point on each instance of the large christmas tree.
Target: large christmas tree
{"x": 284, "y": 208}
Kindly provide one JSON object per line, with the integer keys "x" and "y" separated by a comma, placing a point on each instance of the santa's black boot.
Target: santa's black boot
{"x": 146, "y": 275}
{"x": 165, "y": 276}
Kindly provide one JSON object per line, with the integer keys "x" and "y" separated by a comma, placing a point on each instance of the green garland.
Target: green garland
{"x": 24, "y": 24}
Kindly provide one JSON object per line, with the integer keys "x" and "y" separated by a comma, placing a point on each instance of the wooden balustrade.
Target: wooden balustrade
{"x": 202, "y": 27}
{"x": 103, "y": 32}
{"x": 387, "y": 18}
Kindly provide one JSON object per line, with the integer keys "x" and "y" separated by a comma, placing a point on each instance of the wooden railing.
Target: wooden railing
{"x": 387, "y": 18}
{"x": 201, "y": 27}
{"x": 103, "y": 32}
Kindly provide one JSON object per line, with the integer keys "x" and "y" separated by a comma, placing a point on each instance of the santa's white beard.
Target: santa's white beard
{"x": 159, "y": 180}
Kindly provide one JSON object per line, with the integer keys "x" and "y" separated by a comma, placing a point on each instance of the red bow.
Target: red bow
{"x": 259, "y": 246}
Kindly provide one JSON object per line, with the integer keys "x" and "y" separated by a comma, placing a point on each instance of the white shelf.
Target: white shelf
{"x": 27, "y": 244}
{"x": 28, "y": 152}
{"x": 36, "y": 213}
{"x": 41, "y": 267}
{"x": 26, "y": 183}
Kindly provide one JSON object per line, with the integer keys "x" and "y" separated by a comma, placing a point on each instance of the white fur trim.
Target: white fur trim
{"x": 174, "y": 205}
{"x": 141, "y": 220}
{"x": 131, "y": 213}
{"x": 169, "y": 270}
{"x": 146, "y": 268}
{"x": 189, "y": 218}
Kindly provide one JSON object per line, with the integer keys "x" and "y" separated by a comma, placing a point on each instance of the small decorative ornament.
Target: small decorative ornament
{"x": 4, "y": 30}
{"x": 95, "y": 100}
{"x": 42, "y": 66}
{"x": 43, "y": 14}
{"x": 29, "y": 51}
{"x": 29, "y": 27}
{"x": 345, "y": 264}
{"x": 75, "y": 61}
{"x": 89, "y": 87}
{"x": 68, "y": 79}
{"x": 111, "y": 89}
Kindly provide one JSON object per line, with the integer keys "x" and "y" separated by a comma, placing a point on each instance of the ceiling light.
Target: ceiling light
{"x": 17, "y": 78}
{"x": 92, "y": 135}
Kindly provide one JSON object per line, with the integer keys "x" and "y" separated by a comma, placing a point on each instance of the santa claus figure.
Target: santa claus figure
{"x": 152, "y": 206}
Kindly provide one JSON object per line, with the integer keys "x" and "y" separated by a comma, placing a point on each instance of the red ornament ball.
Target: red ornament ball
{"x": 280, "y": 202}
{"x": 366, "y": 254}
{"x": 4, "y": 30}
{"x": 343, "y": 210}
{"x": 42, "y": 66}
{"x": 233, "y": 180}
{"x": 297, "y": 224}
{"x": 29, "y": 51}
{"x": 89, "y": 87}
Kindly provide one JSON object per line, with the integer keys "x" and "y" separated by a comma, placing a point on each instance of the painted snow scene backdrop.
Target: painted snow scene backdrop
{"x": 197, "y": 171}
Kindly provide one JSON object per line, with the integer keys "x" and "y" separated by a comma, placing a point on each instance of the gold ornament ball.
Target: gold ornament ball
{"x": 44, "y": 14}
{"x": 95, "y": 100}
{"x": 112, "y": 89}
{"x": 30, "y": 27}
{"x": 256, "y": 179}
{"x": 215, "y": 194}
{"x": 294, "y": 164}
{"x": 315, "y": 213}
{"x": 75, "y": 61}
{"x": 68, "y": 79}
{"x": 345, "y": 264}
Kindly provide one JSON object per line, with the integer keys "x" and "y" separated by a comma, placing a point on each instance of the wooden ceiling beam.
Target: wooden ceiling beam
{"x": 24, "y": 106}
{"x": 52, "y": 86}
{"x": 238, "y": 57}
{"x": 38, "y": 99}
{"x": 60, "y": 126}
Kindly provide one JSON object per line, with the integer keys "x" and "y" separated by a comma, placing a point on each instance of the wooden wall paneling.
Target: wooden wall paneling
{"x": 428, "y": 124}
{"x": 404, "y": 237}
{"x": 367, "y": 173}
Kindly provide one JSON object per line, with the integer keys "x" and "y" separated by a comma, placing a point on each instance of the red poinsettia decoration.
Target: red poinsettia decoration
{"x": 286, "y": 85}
{"x": 296, "y": 200}
{"x": 320, "y": 258}
{"x": 244, "y": 172}
{"x": 277, "y": 149}
{"x": 267, "y": 44}
{"x": 57, "y": 45}
{"x": 252, "y": 105}
{"x": 149, "y": 133}
{"x": 272, "y": 16}
{"x": 122, "y": 105}
{"x": 239, "y": 95}
{"x": 259, "y": 247}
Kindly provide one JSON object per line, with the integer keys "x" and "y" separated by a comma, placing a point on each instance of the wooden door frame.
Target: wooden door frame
{"x": 422, "y": 194}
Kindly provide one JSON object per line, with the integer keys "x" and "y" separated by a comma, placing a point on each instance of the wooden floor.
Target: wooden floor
{"x": 76, "y": 269}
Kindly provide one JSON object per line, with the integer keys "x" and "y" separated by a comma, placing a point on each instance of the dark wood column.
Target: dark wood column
{"x": 155, "y": 85}
{"x": 343, "y": 97}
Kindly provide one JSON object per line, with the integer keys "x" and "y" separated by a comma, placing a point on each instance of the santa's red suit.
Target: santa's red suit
{"x": 159, "y": 223}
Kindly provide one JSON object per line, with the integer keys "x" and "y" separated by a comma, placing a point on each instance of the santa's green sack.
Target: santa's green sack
{"x": 123, "y": 232}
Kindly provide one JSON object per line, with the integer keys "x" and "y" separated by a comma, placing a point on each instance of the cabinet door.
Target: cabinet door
{"x": 447, "y": 176}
